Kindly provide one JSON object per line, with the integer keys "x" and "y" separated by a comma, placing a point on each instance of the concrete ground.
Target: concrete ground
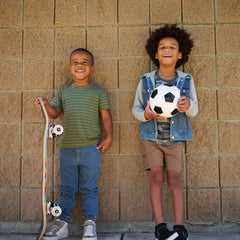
{"x": 123, "y": 231}
{"x": 132, "y": 236}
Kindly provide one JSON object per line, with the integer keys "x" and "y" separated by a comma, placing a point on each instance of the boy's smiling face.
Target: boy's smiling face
{"x": 81, "y": 67}
{"x": 168, "y": 51}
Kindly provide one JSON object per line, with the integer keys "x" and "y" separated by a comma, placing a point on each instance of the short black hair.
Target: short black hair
{"x": 83, "y": 50}
{"x": 182, "y": 36}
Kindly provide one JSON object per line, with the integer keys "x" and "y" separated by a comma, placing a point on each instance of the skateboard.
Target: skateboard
{"x": 47, "y": 207}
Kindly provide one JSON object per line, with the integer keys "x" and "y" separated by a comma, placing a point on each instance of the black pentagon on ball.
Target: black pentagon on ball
{"x": 174, "y": 112}
{"x": 169, "y": 97}
{"x": 158, "y": 110}
{"x": 154, "y": 93}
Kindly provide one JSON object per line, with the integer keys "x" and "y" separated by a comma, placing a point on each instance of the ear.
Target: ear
{"x": 180, "y": 55}
{"x": 156, "y": 55}
{"x": 92, "y": 69}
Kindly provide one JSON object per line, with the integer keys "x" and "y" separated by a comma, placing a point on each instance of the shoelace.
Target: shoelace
{"x": 56, "y": 227}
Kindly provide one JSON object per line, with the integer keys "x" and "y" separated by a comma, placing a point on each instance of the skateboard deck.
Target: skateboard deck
{"x": 49, "y": 132}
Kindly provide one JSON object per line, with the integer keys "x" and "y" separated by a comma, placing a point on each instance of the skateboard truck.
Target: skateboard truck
{"x": 55, "y": 131}
{"x": 54, "y": 209}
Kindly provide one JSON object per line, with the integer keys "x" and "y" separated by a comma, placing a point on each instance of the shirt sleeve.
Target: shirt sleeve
{"x": 138, "y": 106}
{"x": 193, "y": 109}
{"x": 57, "y": 100}
{"x": 104, "y": 103}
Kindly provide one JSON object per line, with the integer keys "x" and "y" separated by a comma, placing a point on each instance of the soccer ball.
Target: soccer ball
{"x": 164, "y": 100}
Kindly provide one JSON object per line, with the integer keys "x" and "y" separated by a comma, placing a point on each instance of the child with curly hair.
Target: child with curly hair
{"x": 163, "y": 138}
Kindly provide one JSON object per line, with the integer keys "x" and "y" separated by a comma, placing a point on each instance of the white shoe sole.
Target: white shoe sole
{"x": 174, "y": 236}
{"x": 89, "y": 238}
{"x": 55, "y": 238}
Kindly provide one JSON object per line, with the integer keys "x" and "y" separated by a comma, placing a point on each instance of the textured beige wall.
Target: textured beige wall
{"x": 36, "y": 38}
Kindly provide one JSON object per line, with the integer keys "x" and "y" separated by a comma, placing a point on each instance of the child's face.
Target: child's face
{"x": 168, "y": 52}
{"x": 81, "y": 67}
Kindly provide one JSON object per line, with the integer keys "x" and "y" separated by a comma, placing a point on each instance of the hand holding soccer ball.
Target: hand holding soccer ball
{"x": 183, "y": 104}
{"x": 149, "y": 114}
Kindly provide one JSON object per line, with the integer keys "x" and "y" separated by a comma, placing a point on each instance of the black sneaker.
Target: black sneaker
{"x": 182, "y": 232}
{"x": 162, "y": 232}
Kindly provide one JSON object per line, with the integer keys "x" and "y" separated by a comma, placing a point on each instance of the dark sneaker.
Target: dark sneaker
{"x": 162, "y": 232}
{"x": 182, "y": 232}
{"x": 59, "y": 230}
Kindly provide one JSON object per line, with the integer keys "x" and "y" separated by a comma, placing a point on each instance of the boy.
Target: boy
{"x": 79, "y": 155}
{"x": 163, "y": 139}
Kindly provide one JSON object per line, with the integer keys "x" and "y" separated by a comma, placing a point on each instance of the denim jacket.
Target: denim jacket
{"x": 180, "y": 127}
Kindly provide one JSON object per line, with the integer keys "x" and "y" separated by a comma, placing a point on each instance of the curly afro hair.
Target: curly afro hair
{"x": 182, "y": 36}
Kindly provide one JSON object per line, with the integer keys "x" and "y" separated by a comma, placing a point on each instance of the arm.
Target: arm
{"x": 138, "y": 110}
{"x": 193, "y": 108}
{"x": 51, "y": 111}
{"x": 107, "y": 124}
{"x": 190, "y": 106}
{"x": 138, "y": 106}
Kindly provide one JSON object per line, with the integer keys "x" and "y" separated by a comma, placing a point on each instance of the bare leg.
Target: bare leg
{"x": 156, "y": 184}
{"x": 175, "y": 185}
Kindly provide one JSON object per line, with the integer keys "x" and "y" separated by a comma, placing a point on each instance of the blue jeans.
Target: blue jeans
{"x": 79, "y": 171}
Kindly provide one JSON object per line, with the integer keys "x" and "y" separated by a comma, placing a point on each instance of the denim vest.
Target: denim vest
{"x": 180, "y": 127}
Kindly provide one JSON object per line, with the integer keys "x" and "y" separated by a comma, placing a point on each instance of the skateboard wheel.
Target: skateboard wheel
{"x": 56, "y": 211}
{"x": 57, "y": 130}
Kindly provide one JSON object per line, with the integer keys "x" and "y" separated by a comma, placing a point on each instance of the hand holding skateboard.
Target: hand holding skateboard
{"x": 39, "y": 101}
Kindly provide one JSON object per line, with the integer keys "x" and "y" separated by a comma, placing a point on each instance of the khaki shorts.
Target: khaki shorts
{"x": 159, "y": 155}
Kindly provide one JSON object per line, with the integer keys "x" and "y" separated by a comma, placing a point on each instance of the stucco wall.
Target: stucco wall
{"x": 36, "y": 38}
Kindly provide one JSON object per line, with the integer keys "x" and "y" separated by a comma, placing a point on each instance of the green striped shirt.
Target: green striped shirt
{"x": 81, "y": 107}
